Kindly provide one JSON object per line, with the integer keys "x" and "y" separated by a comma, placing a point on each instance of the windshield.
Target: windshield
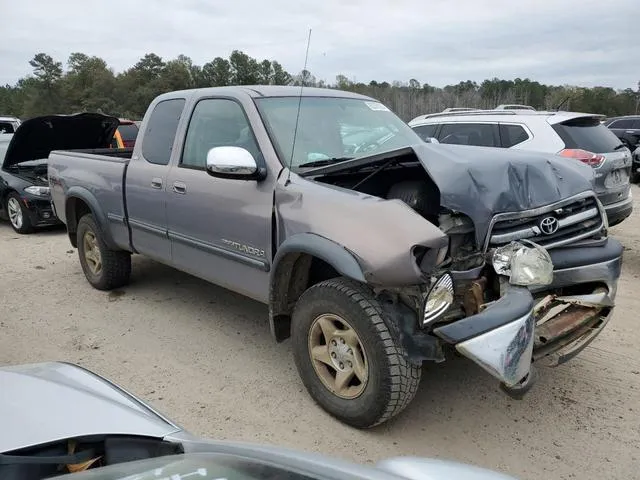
{"x": 332, "y": 128}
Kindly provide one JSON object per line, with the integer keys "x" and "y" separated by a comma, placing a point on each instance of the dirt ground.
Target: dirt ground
{"x": 204, "y": 356}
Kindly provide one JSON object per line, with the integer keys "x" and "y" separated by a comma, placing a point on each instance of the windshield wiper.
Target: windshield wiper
{"x": 622, "y": 145}
{"x": 324, "y": 162}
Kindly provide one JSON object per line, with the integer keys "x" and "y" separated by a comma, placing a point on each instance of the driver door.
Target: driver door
{"x": 220, "y": 229}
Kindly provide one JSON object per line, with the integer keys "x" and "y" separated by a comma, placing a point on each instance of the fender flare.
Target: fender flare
{"x": 341, "y": 259}
{"x": 81, "y": 193}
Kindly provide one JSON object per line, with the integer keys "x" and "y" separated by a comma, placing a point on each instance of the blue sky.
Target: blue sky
{"x": 579, "y": 42}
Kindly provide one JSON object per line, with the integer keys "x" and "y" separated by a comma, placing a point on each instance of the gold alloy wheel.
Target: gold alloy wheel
{"x": 338, "y": 356}
{"x": 92, "y": 252}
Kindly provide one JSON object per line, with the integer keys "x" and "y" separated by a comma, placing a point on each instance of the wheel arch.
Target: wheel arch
{"x": 300, "y": 262}
{"x": 78, "y": 203}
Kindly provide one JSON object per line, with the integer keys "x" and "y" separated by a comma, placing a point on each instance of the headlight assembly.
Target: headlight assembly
{"x": 38, "y": 191}
{"x": 524, "y": 265}
{"x": 438, "y": 300}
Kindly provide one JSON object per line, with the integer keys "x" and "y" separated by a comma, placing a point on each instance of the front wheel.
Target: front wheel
{"x": 105, "y": 269}
{"x": 18, "y": 214}
{"x": 346, "y": 356}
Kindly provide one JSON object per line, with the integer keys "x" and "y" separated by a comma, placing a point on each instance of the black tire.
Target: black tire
{"x": 115, "y": 268}
{"x": 392, "y": 381}
{"x": 14, "y": 201}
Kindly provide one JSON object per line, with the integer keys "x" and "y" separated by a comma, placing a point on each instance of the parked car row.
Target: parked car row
{"x": 575, "y": 136}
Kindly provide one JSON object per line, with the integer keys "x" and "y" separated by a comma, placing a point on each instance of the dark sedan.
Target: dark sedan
{"x": 24, "y": 188}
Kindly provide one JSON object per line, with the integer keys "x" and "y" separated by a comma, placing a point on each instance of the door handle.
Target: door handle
{"x": 156, "y": 183}
{"x": 179, "y": 187}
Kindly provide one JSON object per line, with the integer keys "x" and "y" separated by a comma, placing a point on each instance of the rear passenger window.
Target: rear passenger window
{"x": 478, "y": 134}
{"x": 161, "y": 131}
{"x": 426, "y": 131}
{"x": 512, "y": 135}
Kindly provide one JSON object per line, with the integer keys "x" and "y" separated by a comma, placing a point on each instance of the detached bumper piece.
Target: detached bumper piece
{"x": 500, "y": 339}
{"x": 566, "y": 325}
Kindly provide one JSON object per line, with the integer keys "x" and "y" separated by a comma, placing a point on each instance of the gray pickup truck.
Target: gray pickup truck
{"x": 373, "y": 250}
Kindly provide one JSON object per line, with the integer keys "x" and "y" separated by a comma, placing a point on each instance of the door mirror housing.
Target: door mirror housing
{"x": 232, "y": 162}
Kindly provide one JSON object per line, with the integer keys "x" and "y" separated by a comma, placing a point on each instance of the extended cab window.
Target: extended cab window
{"x": 161, "y": 131}
{"x": 478, "y": 134}
{"x": 216, "y": 123}
{"x": 512, "y": 135}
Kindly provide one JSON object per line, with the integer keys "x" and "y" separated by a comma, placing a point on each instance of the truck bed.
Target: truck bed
{"x": 99, "y": 171}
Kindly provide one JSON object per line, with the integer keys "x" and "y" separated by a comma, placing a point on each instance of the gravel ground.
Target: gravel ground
{"x": 204, "y": 356}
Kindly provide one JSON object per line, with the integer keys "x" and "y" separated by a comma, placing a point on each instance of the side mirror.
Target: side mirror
{"x": 431, "y": 140}
{"x": 231, "y": 162}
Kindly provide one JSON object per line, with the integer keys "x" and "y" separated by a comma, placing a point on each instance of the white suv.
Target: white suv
{"x": 577, "y": 136}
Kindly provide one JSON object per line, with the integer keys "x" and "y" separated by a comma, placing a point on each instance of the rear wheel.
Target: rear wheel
{"x": 18, "y": 214}
{"x": 347, "y": 357}
{"x": 105, "y": 269}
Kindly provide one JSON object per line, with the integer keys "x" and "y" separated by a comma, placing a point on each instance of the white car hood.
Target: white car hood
{"x": 46, "y": 402}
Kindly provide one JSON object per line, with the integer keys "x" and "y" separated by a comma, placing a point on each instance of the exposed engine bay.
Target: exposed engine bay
{"x": 34, "y": 172}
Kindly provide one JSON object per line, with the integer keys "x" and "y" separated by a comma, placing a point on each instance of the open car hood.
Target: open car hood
{"x": 47, "y": 402}
{"x": 481, "y": 182}
{"x": 35, "y": 138}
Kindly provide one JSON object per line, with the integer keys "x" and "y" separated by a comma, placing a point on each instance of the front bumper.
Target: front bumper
{"x": 528, "y": 325}
{"x": 40, "y": 212}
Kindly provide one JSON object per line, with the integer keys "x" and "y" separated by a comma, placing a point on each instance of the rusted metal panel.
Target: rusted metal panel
{"x": 568, "y": 321}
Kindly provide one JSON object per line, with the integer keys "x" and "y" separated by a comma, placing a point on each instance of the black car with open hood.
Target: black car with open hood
{"x": 24, "y": 189}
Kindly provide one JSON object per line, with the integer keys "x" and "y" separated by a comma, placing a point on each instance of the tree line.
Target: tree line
{"x": 89, "y": 84}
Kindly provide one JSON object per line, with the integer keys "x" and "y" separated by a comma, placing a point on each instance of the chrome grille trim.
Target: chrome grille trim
{"x": 591, "y": 215}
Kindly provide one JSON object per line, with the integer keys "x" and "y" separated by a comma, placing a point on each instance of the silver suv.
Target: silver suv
{"x": 578, "y": 136}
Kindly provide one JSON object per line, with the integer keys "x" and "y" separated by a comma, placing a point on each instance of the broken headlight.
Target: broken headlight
{"x": 524, "y": 265}
{"x": 438, "y": 300}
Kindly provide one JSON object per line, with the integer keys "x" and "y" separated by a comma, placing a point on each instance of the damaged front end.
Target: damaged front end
{"x": 523, "y": 304}
{"x": 529, "y": 274}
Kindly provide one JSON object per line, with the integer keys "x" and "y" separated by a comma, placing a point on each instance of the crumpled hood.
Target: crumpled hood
{"x": 481, "y": 181}
{"x": 37, "y": 137}
{"x": 46, "y": 402}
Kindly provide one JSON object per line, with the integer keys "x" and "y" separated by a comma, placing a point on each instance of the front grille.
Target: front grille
{"x": 552, "y": 226}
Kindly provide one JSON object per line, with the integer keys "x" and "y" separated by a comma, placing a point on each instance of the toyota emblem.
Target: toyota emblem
{"x": 549, "y": 225}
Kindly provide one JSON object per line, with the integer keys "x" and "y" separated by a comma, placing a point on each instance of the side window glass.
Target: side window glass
{"x": 626, "y": 123}
{"x": 477, "y": 134}
{"x": 216, "y": 123}
{"x": 161, "y": 131}
{"x": 636, "y": 124}
{"x": 426, "y": 131}
{"x": 512, "y": 135}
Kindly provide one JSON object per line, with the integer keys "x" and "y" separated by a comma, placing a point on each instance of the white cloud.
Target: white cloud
{"x": 586, "y": 42}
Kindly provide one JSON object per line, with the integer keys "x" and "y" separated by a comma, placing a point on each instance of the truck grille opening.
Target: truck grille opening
{"x": 553, "y": 226}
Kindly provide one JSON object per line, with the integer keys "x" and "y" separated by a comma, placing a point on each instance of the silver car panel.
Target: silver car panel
{"x": 46, "y": 402}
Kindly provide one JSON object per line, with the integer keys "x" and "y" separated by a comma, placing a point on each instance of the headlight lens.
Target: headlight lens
{"x": 39, "y": 191}
{"x": 524, "y": 265}
{"x": 438, "y": 300}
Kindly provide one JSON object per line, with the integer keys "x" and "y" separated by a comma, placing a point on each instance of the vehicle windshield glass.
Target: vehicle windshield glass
{"x": 587, "y": 134}
{"x": 201, "y": 466}
{"x": 332, "y": 128}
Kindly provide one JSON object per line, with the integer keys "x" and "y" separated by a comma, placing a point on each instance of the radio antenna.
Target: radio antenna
{"x": 295, "y": 130}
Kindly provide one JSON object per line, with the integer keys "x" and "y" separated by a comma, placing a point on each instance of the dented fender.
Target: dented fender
{"x": 381, "y": 234}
